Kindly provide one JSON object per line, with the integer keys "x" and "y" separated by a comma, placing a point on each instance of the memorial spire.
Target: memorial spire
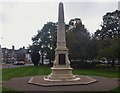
{"x": 61, "y": 26}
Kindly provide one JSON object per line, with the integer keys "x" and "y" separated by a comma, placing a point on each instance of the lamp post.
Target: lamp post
{"x": 42, "y": 58}
{"x": 6, "y": 56}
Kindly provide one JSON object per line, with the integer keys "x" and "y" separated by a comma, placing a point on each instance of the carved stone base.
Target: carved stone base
{"x": 40, "y": 80}
{"x": 61, "y": 74}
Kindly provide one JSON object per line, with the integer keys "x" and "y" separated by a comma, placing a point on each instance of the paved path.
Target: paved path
{"x": 103, "y": 84}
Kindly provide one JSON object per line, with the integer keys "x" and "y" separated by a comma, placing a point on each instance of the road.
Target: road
{"x": 14, "y": 66}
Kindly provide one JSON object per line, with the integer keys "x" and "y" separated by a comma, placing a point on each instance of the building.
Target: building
{"x": 0, "y": 54}
{"x": 12, "y": 55}
{"x": 9, "y": 55}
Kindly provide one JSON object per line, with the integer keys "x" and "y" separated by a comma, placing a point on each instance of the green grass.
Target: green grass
{"x": 44, "y": 70}
{"x": 6, "y": 90}
{"x": 117, "y": 89}
{"x": 24, "y": 71}
{"x": 112, "y": 73}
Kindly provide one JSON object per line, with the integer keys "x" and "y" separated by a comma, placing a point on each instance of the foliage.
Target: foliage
{"x": 108, "y": 36}
{"x": 83, "y": 64}
{"x": 93, "y": 48}
{"x": 35, "y": 58}
{"x": 82, "y": 46}
{"x": 46, "y": 40}
{"x": 78, "y": 39}
{"x": 34, "y": 53}
{"x": 110, "y": 26}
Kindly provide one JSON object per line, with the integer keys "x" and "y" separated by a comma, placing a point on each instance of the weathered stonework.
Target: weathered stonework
{"x": 61, "y": 70}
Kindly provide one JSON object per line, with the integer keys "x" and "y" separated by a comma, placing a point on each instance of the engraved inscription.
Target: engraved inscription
{"x": 61, "y": 59}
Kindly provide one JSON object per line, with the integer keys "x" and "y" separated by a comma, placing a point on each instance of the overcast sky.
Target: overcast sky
{"x": 20, "y": 21}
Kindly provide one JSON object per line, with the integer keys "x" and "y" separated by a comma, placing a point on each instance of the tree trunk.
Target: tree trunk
{"x": 42, "y": 59}
{"x": 113, "y": 63}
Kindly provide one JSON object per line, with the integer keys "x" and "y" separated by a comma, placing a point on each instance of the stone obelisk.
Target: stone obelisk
{"x": 61, "y": 69}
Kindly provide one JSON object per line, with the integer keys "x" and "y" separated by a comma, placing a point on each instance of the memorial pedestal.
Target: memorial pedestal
{"x": 61, "y": 74}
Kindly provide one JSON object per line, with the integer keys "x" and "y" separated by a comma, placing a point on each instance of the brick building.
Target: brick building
{"x": 11, "y": 55}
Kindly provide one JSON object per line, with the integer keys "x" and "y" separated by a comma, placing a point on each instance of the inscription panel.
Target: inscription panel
{"x": 61, "y": 59}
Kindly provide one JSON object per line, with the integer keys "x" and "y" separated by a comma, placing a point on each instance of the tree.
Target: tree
{"x": 93, "y": 48}
{"x": 78, "y": 39}
{"x": 35, "y": 56}
{"x": 110, "y": 26}
{"x": 108, "y": 36}
{"x": 46, "y": 40}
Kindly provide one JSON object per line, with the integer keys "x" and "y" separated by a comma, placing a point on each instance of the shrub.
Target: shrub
{"x": 82, "y": 64}
{"x": 35, "y": 56}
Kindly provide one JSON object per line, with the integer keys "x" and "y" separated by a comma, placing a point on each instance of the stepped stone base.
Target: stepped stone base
{"x": 61, "y": 74}
{"x": 40, "y": 80}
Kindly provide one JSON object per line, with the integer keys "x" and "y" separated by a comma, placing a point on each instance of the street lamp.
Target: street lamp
{"x": 6, "y": 56}
{"x": 42, "y": 55}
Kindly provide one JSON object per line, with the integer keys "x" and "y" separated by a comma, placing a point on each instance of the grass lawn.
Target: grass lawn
{"x": 44, "y": 70}
{"x": 5, "y": 90}
{"x": 112, "y": 73}
{"x": 116, "y": 89}
{"x": 24, "y": 71}
{"x": 9, "y": 73}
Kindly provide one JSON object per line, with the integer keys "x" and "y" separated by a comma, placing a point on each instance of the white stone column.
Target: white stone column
{"x": 61, "y": 26}
{"x": 61, "y": 42}
{"x": 61, "y": 69}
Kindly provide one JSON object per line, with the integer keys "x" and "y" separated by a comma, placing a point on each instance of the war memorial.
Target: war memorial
{"x": 61, "y": 77}
{"x": 61, "y": 71}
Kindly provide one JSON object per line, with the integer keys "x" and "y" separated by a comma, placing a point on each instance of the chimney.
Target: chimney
{"x": 23, "y": 47}
{"x": 13, "y": 47}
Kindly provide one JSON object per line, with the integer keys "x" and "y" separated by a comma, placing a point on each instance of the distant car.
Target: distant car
{"x": 46, "y": 61}
{"x": 117, "y": 62}
{"x": 19, "y": 63}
